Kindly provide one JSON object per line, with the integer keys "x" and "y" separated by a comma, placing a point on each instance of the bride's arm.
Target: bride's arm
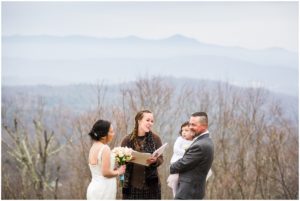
{"x": 106, "y": 170}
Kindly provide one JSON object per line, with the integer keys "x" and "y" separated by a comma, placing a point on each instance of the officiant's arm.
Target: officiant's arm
{"x": 192, "y": 157}
{"x": 125, "y": 141}
{"x": 158, "y": 144}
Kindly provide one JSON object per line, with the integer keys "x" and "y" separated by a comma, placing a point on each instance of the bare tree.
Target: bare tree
{"x": 32, "y": 157}
{"x": 256, "y": 141}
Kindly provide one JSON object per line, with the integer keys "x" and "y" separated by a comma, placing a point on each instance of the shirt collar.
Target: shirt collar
{"x": 205, "y": 133}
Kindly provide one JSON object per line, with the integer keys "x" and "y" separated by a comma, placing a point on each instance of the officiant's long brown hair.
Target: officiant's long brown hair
{"x": 138, "y": 116}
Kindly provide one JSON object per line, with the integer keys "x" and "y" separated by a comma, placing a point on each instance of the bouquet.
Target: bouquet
{"x": 122, "y": 155}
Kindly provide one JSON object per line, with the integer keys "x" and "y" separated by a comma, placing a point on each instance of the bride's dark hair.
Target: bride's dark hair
{"x": 99, "y": 130}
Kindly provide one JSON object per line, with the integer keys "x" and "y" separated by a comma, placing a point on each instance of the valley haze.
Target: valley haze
{"x": 54, "y": 60}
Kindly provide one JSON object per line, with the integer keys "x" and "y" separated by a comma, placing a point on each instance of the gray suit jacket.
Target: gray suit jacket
{"x": 193, "y": 168}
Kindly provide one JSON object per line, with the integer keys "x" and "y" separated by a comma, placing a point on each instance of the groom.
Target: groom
{"x": 196, "y": 162}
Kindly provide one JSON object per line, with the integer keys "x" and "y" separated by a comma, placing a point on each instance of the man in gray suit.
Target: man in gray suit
{"x": 196, "y": 162}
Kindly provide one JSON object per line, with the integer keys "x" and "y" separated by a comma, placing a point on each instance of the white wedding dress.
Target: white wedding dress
{"x": 101, "y": 188}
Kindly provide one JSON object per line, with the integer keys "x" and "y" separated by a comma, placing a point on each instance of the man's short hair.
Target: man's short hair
{"x": 203, "y": 117}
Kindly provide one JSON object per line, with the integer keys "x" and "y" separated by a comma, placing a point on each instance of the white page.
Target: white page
{"x": 160, "y": 150}
{"x": 140, "y": 158}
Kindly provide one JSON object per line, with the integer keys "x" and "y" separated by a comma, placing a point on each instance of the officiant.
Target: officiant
{"x": 142, "y": 182}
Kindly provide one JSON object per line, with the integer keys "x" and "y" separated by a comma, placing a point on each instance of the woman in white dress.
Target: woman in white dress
{"x": 104, "y": 184}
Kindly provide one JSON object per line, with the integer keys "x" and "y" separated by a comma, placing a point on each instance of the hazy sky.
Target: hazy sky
{"x": 252, "y": 25}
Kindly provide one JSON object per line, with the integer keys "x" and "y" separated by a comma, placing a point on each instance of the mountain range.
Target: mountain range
{"x": 54, "y": 60}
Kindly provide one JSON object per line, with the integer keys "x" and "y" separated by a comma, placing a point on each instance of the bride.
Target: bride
{"x": 101, "y": 162}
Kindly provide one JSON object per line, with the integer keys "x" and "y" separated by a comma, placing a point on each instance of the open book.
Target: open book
{"x": 141, "y": 158}
{"x": 160, "y": 150}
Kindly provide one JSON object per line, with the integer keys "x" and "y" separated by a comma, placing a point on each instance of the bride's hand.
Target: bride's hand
{"x": 122, "y": 169}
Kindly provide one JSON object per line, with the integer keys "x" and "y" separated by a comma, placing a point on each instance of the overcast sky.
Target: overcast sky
{"x": 253, "y": 25}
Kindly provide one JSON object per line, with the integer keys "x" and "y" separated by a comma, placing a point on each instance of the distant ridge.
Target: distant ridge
{"x": 177, "y": 38}
{"x": 75, "y": 59}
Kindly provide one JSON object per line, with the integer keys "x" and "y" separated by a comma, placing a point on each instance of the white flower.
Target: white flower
{"x": 122, "y": 154}
{"x": 185, "y": 147}
{"x": 127, "y": 151}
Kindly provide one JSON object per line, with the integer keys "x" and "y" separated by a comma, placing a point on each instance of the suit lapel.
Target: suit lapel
{"x": 199, "y": 138}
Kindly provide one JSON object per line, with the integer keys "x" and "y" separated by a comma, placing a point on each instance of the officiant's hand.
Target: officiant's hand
{"x": 151, "y": 160}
